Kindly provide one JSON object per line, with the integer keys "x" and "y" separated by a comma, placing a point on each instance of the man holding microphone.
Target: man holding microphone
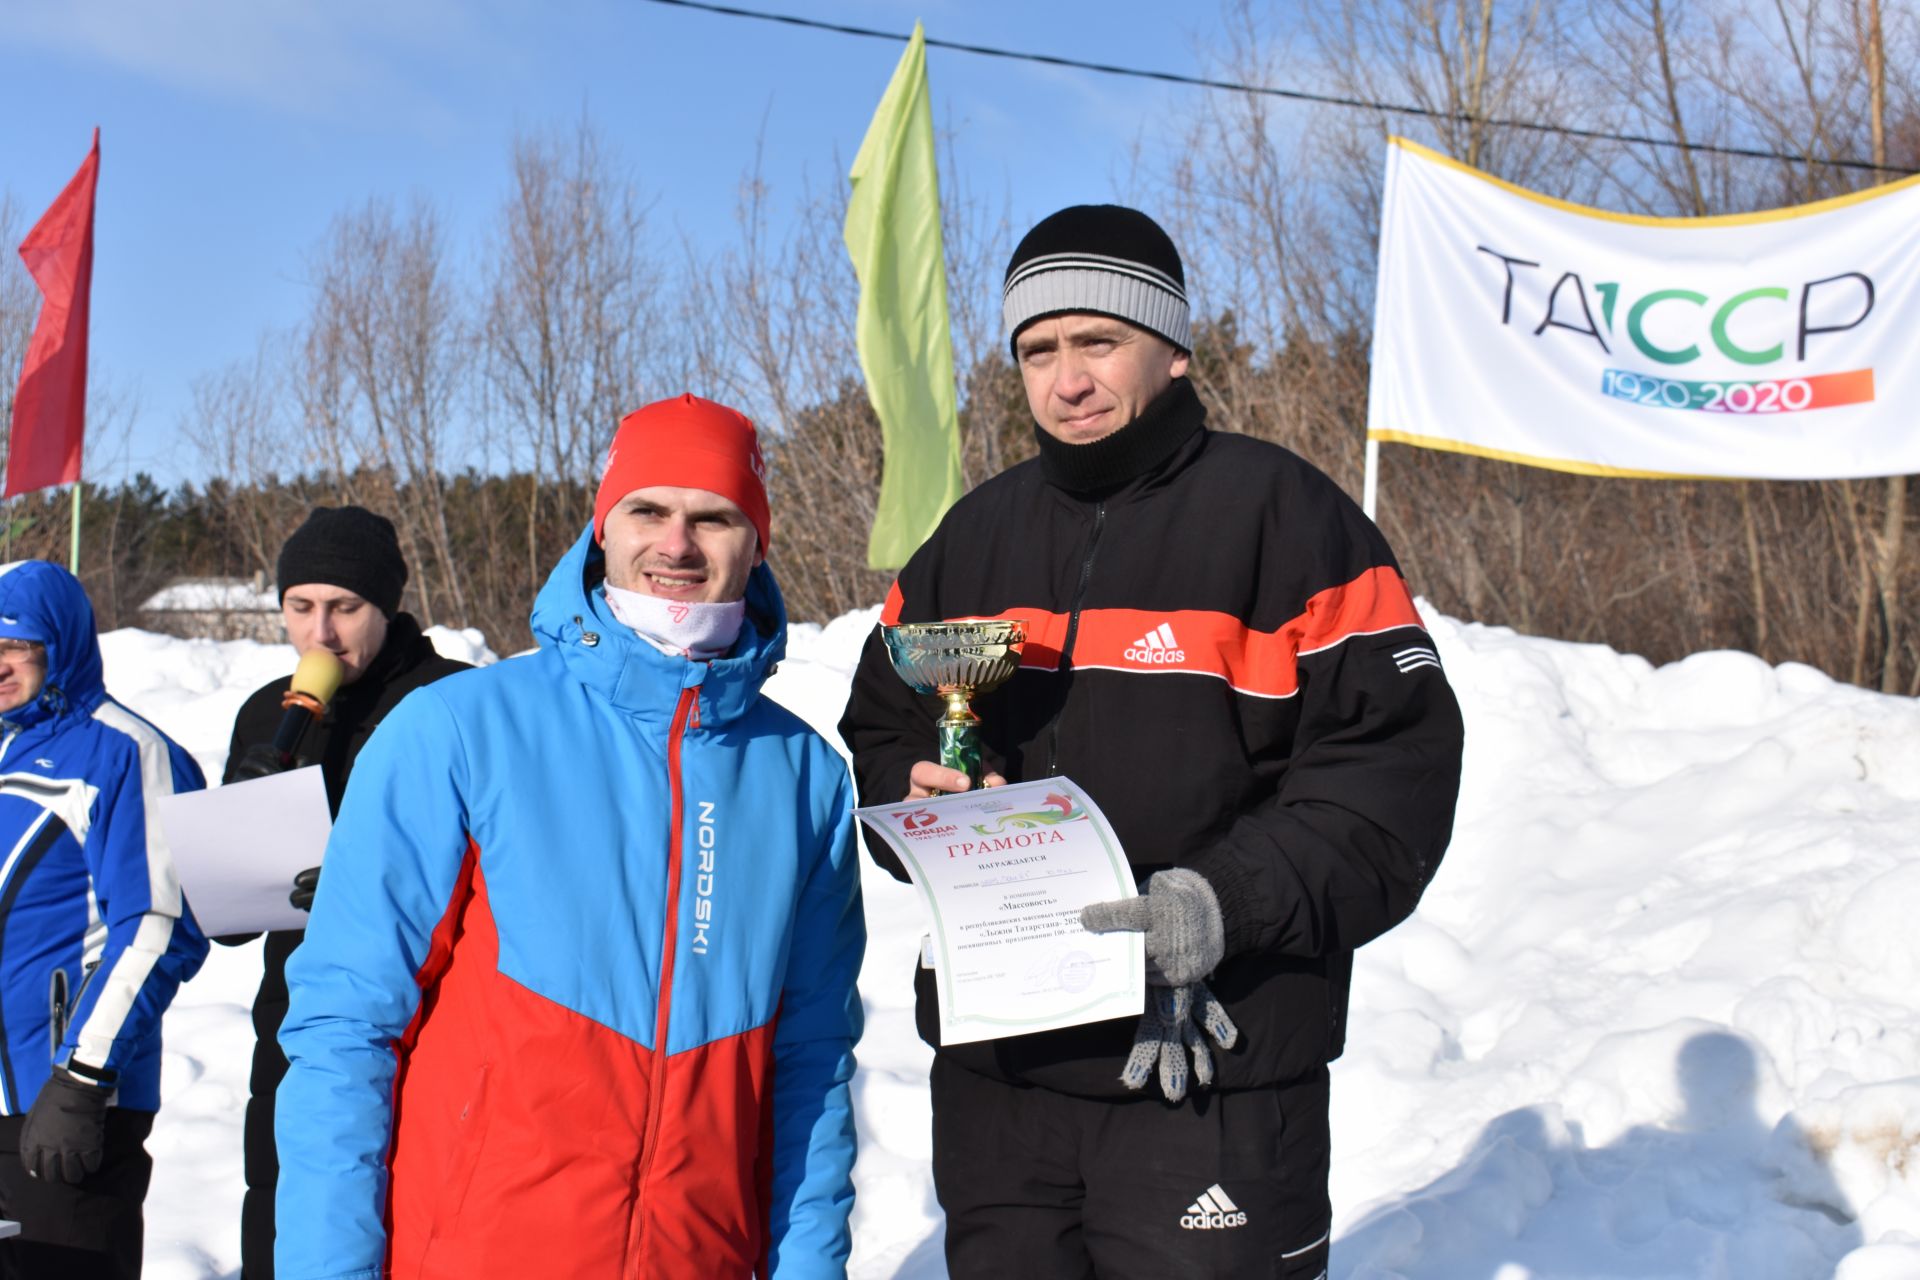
{"x": 341, "y": 575}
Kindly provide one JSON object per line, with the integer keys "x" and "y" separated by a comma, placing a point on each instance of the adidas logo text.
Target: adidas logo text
{"x": 1213, "y": 1211}
{"x": 1157, "y": 647}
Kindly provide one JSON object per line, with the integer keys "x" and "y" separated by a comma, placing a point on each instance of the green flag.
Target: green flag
{"x": 906, "y": 347}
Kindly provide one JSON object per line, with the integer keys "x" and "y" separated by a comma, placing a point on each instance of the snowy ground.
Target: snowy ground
{"x": 1656, "y": 1017}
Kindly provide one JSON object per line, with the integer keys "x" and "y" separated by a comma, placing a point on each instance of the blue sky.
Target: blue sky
{"x": 233, "y": 130}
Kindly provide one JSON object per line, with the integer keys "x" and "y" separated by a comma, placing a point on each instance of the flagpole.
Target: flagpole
{"x": 1370, "y": 486}
{"x": 73, "y": 555}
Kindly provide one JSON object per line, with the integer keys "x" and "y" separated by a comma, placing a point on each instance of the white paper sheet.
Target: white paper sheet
{"x": 238, "y": 847}
{"x": 1003, "y": 873}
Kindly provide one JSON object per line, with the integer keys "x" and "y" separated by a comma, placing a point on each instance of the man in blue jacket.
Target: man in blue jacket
{"x": 577, "y": 994}
{"x": 94, "y": 937}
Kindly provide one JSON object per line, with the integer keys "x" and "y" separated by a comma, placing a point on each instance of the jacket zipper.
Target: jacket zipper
{"x": 688, "y": 709}
{"x": 57, "y": 1007}
{"x": 1073, "y": 629}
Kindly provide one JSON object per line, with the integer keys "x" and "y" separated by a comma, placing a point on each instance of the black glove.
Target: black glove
{"x": 259, "y": 761}
{"x": 66, "y": 1129}
{"x": 304, "y": 885}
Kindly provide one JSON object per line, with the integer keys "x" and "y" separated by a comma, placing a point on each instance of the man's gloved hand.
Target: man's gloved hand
{"x": 1186, "y": 939}
{"x": 66, "y": 1130}
{"x": 304, "y": 886}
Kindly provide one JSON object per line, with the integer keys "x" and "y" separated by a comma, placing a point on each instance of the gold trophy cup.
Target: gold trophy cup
{"x": 957, "y": 660}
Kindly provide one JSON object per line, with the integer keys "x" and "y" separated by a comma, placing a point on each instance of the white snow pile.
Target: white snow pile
{"x": 1655, "y": 1017}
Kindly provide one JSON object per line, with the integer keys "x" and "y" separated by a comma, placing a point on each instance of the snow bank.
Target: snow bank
{"x": 1655, "y": 1014}
{"x": 1655, "y": 1018}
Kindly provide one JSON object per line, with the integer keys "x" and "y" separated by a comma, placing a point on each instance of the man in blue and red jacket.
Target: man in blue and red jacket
{"x": 577, "y": 996}
{"x": 95, "y": 937}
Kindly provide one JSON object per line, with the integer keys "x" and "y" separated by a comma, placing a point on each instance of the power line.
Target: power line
{"x": 1296, "y": 95}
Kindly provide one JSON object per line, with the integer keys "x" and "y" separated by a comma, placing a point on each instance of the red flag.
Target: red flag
{"x": 50, "y": 407}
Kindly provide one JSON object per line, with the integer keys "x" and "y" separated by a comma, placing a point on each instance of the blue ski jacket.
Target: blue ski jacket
{"x": 577, "y": 996}
{"x": 95, "y": 937}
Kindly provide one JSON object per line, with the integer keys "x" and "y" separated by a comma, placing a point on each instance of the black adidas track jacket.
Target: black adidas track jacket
{"x": 1222, "y": 651}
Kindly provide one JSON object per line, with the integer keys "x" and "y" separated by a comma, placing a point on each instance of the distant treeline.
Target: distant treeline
{"x": 469, "y": 393}
{"x": 138, "y": 538}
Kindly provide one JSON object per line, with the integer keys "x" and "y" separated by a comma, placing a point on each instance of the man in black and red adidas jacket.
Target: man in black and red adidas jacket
{"x": 1222, "y": 651}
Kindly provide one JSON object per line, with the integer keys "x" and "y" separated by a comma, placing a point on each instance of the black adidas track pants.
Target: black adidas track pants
{"x": 1055, "y": 1187}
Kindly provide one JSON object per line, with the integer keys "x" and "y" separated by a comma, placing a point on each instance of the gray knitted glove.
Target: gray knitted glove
{"x": 1185, "y": 941}
{"x": 1169, "y": 1029}
{"x": 1181, "y": 918}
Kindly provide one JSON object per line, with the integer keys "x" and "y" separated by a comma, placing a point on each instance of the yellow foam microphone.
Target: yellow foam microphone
{"x": 314, "y": 683}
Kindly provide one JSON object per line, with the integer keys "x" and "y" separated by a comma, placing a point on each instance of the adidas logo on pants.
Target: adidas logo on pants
{"x": 1213, "y": 1211}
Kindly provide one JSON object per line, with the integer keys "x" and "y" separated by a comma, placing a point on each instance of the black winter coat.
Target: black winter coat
{"x": 1222, "y": 651}
{"x": 405, "y": 662}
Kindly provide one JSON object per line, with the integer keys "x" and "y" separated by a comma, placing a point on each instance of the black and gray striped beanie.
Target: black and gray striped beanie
{"x": 1103, "y": 258}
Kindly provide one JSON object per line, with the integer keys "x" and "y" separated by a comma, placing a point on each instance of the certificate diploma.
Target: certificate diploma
{"x": 1003, "y": 872}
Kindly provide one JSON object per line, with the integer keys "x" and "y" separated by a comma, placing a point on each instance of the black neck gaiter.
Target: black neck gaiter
{"x": 1132, "y": 451}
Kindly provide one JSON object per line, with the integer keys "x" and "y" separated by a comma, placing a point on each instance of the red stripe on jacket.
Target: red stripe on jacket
{"x": 676, "y": 732}
{"x": 1207, "y": 642}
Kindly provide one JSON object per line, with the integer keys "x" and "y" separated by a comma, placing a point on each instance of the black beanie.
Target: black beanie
{"x": 348, "y": 547}
{"x": 1103, "y": 258}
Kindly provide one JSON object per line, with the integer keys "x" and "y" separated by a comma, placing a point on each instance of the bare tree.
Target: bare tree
{"x": 1870, "y": 39}
{"x": 780, "y": 318}
{"x": 241, "y": 435}
{"x": 388, "y": 344}
{"x": 572, "y": 320}
{"x": 19, "y": 305}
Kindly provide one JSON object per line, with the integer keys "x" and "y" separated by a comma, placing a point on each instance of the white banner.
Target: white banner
{"x": 1775, "y": 345}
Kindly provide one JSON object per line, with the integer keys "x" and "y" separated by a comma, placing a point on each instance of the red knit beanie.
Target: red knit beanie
{"x": 688, "y": 443}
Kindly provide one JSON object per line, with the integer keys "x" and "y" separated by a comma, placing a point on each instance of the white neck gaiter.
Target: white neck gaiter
{"x": 680, "y": 628}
